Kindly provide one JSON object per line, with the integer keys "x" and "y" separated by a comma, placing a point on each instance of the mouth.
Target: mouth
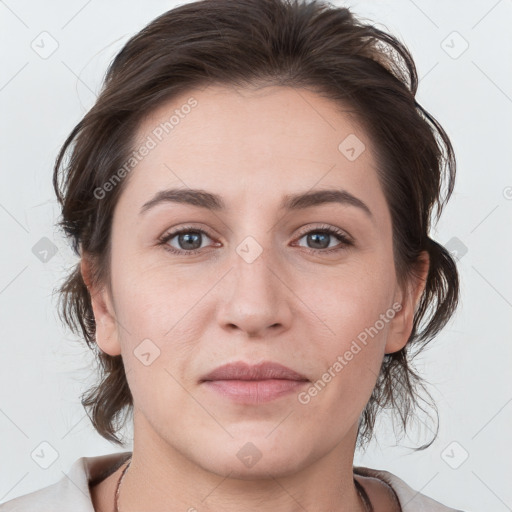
{"x": 254, "y": 384}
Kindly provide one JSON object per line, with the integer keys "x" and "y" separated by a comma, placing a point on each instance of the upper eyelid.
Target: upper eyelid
{"x": 306, "y": 229}
{"x": 325, "y": 227}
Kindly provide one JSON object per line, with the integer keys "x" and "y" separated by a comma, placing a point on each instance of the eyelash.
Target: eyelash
{"x": 342, "y": 237}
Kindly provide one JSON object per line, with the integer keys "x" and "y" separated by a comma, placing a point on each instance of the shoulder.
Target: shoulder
{"x": 71, "y": 492}
{"x": 410, "y": 500}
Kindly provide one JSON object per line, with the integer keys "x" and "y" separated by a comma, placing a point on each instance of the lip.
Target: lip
{"x": 254, "y": 384}
{"x": 265, "y": 370}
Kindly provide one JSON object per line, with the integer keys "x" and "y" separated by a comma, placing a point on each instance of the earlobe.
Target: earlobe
{"x": 107, "y": 335}
{"x": 408, "y": 298}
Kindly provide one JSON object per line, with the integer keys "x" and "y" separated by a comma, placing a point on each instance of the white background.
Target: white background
{"x": 44, "y": 369}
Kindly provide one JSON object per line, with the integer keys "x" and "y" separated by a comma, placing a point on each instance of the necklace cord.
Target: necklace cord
{"x": 116, "y": 499}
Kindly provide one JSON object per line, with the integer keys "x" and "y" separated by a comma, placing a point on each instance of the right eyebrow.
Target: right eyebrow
{"x": 194, "y": 197}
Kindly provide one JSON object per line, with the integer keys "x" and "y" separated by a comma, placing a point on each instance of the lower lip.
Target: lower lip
{"x": 255, "y": 391}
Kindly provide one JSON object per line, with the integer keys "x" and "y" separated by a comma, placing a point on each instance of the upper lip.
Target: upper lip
{"x": 240, "y": 370}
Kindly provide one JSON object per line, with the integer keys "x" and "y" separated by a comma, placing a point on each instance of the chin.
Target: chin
{"x": 254, "y": 458}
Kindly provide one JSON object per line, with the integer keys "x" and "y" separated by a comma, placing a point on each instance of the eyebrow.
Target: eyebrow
{"x": 291, "y": 202}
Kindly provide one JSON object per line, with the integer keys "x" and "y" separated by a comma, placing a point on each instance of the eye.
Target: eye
{"x": 188, "y": 239}
{"x": 321, "y": 238}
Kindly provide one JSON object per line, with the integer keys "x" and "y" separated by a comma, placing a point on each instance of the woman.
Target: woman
{"x": 251, "y": 198}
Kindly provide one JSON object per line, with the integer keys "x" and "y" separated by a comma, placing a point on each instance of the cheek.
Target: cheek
{"x": 348, "y": 354}
{"x": 151, "y": 323}
{"x": 153, "y": 297}
{"x": 354, "y": 310}
{"x": 161, "y": 326}
{"x": 353, "y": 298}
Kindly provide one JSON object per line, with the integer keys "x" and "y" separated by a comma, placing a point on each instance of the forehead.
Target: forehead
{"x": 251, "y": 144}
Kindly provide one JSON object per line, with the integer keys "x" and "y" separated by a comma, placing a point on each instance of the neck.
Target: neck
{"x": 161, "y": 477}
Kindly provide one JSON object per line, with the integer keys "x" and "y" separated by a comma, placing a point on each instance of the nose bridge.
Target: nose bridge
{"x": 255, "y": 298}
{"x": 251, "y": 268}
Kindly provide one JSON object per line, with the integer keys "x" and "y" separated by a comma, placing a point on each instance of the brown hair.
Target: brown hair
{"x": 264, "y": 42}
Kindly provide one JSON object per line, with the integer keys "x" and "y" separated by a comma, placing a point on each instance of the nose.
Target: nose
{"x": 254, "y": 298}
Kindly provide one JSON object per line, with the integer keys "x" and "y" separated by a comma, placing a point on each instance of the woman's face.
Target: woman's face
{"x": 263, "y": 283}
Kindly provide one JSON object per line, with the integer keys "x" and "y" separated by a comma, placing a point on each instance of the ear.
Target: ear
{"x": 107, "y": 334}
{"x": 408, "y": 297}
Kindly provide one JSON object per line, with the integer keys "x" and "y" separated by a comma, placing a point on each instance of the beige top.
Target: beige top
{"x": 71, "y": 492}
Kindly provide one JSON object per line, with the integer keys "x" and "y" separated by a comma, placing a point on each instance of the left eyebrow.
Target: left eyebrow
{"x": 291, "y": 202}
{"x": 318, "y": 197}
